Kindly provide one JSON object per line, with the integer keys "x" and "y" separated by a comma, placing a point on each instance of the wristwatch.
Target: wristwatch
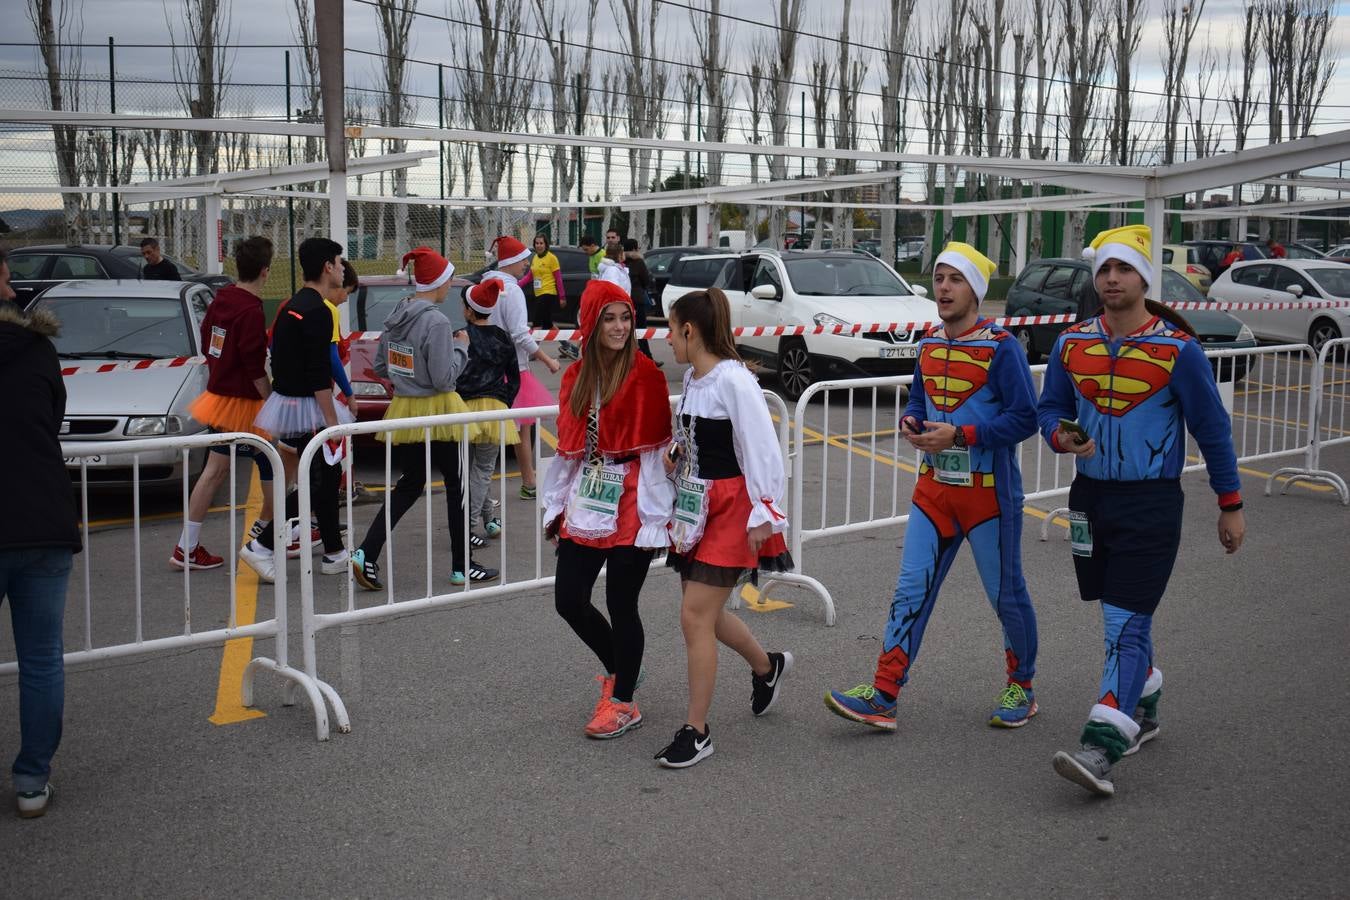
{"x": 959, "y": 439}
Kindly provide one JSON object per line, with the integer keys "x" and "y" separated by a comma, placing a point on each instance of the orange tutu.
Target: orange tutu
{"x": 228, "y": 413}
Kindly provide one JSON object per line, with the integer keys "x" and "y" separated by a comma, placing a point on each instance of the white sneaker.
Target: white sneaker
{"x": 261, "y": 560}
{"x": 34, "y": 803}
{"x": 336, "y": 564}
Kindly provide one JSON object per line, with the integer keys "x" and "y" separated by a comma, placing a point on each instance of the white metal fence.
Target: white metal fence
{"x": 120, "y": 618}
{"x": 1330, "y": 421}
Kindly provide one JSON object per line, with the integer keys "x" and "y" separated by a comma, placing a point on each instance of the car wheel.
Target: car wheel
{"x": 1322, "y": 330}
{"x": 794, "y": 369}
{"x": 1024, "y": 338}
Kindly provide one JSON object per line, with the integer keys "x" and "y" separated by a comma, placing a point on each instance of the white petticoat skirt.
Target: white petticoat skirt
{"x": 284, "y": 416}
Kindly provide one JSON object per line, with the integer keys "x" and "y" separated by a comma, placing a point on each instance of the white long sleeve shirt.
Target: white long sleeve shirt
{"x": 655, "y": 497}
{"x": 511, "y": 315}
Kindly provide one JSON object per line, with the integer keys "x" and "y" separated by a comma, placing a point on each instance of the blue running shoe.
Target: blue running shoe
{"x": 1016, "y": 705}
{"x": 864, "y": 704}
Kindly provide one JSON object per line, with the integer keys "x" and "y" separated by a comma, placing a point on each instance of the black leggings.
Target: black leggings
{"x": 640, "y": 315}
{"x": 618, "y": 643}
{"x": 411, "y": 459}
{"x": 323, "y": 499}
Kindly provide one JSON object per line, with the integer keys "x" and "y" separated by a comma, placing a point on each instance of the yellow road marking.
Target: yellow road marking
{"x": 842, "y": 444}
{"x": 758, "y": 602}
{"x": 239, "y": 651}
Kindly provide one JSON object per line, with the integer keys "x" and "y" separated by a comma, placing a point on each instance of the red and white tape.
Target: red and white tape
{"x": 655, "y": 334}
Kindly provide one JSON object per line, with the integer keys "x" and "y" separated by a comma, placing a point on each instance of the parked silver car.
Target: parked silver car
{"x": 121, "y": 321}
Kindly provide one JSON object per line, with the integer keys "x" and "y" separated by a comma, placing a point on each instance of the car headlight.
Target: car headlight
{"x": 369, "y": 389}
{"x": 150, "y": 426}
{"x": 1245, "y": 334}
{"x": 824, "y": 320}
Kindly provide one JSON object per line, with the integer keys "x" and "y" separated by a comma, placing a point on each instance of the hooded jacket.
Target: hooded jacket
{"x": 491, "y": 370}
{"x": 418, "y": 353}
{"x": 30, "y": 446}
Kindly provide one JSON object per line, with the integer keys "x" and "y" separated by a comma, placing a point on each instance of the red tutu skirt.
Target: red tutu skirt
{"x": 723, "y": 554}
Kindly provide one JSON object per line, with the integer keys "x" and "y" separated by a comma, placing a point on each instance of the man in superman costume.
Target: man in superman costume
{"x": 970, "y": 406}
{"x": 1135, "y": 379}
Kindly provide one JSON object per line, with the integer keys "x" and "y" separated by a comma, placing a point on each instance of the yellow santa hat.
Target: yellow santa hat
{"x": 974, "y": 265}
{"x": 1131, "y": 244}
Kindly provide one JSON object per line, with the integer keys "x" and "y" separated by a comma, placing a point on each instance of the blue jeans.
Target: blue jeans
{"x": 34, "y": 581}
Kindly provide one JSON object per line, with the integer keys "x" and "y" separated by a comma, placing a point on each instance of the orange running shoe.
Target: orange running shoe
{"x": 606, "y": 691}
{"x": 613, "y": 718}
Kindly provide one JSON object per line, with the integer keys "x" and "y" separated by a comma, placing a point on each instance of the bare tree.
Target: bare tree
{"x": 495, "y": 91}
{"x": 1202, "y": 113}
{"x": 581, "y": 102}
{"x": 202, "y": 70}
{"x": 1085, "y": 42}
{"x": 717, "y": 90}
{"x": 395, "y": 18}
{"x": 787, "y": 18}
{"x": 309, "y": 72}
{"x": 851, "y": 73}
{"x": 757, "y": 97}
{"x": 932, "y": 78}
{"x": 611, "y": 102}
{"x": 1181, "y": 18}
{"x": 894, "y": 80}
{"x": 58, "y": 27}
{"x": 689, "y": 89}
{"x": 645, "y": 83}
{"x": 822, "y": 83}
{"x": 1243, "y": 97}
{"x": 1049, "y": 53}
{"x": 1125, "y": 28}
{"x": 552, "y": 26}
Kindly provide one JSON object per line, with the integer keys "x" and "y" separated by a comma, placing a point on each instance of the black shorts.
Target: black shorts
{"x": 247, "y": 450}
{"x": 1136, "y": 530}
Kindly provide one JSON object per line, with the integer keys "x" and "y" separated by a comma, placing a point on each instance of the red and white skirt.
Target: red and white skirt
{"x": 722, "y": 555}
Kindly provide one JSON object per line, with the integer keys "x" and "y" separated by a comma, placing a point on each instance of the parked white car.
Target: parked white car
{"x": 124, "y": 320}
{"x": 831, "y": 287}
{"x": 1284, "y": 280}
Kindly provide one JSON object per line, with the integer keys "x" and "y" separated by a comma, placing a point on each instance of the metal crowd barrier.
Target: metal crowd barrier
{"x": 429, "y": 595}
{"x": 1330, "y": 423}
{"x": 135, "y": 641}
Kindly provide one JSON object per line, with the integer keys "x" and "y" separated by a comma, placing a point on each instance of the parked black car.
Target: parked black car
{"x": 1212, "y": 253}
{"x": 576, "y": 271}
{"x": 661, "y": 259}
{"x": 34, "y": 269}
{"x": 1051, "y": 287}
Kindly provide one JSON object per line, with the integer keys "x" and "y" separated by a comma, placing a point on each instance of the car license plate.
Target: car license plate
{"x": 73, "y": 462}
{"x": 899, "y": 352}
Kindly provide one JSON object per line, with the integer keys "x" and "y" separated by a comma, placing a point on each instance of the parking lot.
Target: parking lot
{"x": 466, "y": 772}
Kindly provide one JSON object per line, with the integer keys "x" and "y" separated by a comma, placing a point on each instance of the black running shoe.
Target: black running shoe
{"x": 687, "y": 749}
{"x": 764, "y": 691}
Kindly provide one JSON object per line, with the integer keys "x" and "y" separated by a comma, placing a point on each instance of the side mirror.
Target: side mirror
{"x": 764, "y": 292}
{"x": 918, "y": 290}
{"x": 1295, "y": 289}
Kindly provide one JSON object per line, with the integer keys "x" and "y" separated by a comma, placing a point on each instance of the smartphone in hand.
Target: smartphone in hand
{"x": 1073, "y": 428}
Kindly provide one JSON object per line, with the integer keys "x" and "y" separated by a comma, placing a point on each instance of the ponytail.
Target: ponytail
{"x": 1170, "y": 315}
{"x": 710, "y": 314}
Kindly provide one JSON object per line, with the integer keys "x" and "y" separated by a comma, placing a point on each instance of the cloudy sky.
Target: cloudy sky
{"x": 259, "y": 73}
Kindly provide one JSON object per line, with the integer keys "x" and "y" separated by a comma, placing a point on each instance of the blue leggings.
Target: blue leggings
{"x": 1129, "y": 657}
{"x": 941, "y": 517}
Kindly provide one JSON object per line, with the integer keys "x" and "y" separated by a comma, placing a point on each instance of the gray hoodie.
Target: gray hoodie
{"x": 418, "y": 353}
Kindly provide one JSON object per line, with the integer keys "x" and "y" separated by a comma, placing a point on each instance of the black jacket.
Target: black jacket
{"x": 301, "y": 362}
{"x": 492, "y": 370}
{"x": 41, "y": 504}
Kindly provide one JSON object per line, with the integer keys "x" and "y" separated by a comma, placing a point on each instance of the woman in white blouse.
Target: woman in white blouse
{"x": 729, "y": 479}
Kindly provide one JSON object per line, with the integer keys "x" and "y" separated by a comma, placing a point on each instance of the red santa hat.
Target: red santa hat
{"x": 597, "y": 295}
{"x": 430, "y": 270}
{"x": 482, "y": 297}
{"x": 509, "y": 250}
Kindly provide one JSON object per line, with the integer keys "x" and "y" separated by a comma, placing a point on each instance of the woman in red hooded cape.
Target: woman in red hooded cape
{"x": 607, "y": 499}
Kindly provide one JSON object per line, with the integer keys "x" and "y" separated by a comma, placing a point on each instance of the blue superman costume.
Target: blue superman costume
{"x": 1136, "y": 396}
{"x": 980, "y": 382}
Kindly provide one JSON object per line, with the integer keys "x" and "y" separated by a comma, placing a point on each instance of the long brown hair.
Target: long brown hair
{"x": 600, "y": 366}
{"x": 1170, "y": 315}
{"x": 710, "y": 313}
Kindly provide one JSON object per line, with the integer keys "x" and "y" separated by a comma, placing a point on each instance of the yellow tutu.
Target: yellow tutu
{"x": 227, "y": 413}
{"x": 491, "y": 432}
{"x": 435, "y": 405}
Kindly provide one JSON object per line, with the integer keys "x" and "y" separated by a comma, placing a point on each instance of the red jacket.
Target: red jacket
{"x": 234, "y": 339}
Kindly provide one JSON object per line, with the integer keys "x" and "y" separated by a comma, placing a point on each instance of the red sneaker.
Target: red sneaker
{"x": 199, "y": 558}
{"x": 315, "y": 543}
{"x": 612, "y": 719}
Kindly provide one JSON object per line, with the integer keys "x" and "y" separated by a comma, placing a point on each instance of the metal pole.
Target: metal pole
{"x": 290, "y": 201}
{"x": 329, "y": 32}
{"x": 112, "y": 108}
{"x": 801, "y": 225}
{"x": 440, "y": 120}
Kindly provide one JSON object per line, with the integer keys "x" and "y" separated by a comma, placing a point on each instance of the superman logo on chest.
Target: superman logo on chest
{"x": 953, "y": 373}
{"x": 1139, "y": 371}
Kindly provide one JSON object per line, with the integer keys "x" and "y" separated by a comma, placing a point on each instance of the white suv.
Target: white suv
{"x": 831, "y": 287}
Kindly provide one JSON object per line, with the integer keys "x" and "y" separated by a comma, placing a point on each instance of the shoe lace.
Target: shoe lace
{"x": 862, "y": 692}
{"x": 1013, "y": 696}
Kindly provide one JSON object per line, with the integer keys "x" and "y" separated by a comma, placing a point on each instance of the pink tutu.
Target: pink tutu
{"x": 532, "y": 393}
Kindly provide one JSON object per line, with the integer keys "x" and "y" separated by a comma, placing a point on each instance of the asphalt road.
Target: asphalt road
{"x": 466, "y": 773}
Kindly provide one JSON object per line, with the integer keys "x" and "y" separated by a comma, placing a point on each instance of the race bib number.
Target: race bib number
{"x": 600, "y": 490}
{"x": 538, "y": 283}
{"x": 1080, "y": 534}
{"x": 952, "y": 467}
{"x": 217, "y": 341}
{"x": 690, "y": 498}
{"x": 400, "y": 359}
